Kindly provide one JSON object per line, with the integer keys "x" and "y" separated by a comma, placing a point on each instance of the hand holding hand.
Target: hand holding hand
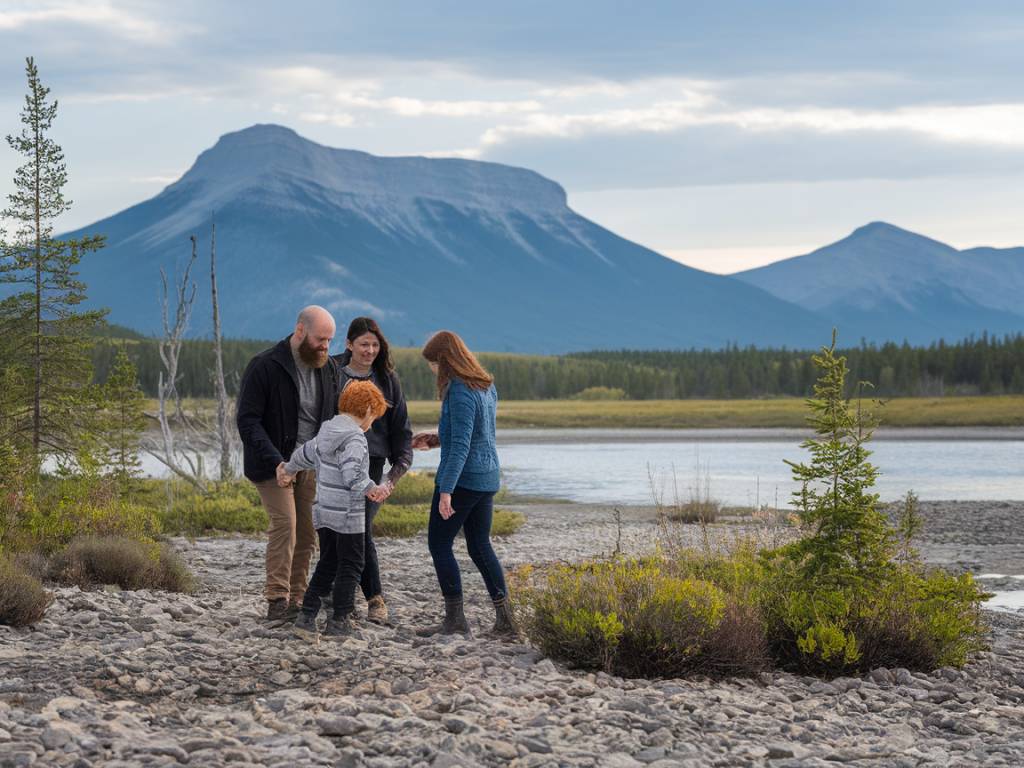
{"x": 283, "y": 478}
{"x": 445, "y": 506}
{"x": 424, "y": 441}
{"x": 377, "y": 494}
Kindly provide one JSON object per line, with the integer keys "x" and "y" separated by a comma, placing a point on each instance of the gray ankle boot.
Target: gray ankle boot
{"x": 504, "y": 621}
{"x": 454, "y": 620}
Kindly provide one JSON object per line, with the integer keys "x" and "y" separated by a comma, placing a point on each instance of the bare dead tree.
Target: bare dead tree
{"x": 224, "y": 431}
{"x": 179, "y": 461}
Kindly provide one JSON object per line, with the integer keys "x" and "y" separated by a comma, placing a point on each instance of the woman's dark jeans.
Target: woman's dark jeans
{"x": 370, "y": 580}
{"x": 339, "y": 568}
{"x": 473, "y": 513}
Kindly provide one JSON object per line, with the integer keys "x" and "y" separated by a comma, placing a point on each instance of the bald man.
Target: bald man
{"x": 286, "y": 393}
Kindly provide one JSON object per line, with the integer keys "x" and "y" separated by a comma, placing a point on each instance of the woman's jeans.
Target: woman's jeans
{"x": 338, "y": 570}
{"x": 473, "y": 513}
{"x": 370, "y": 580}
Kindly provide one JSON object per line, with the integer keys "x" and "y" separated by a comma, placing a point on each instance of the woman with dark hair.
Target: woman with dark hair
{"x": 467, "y": 479}
{"x": 367, "y": 357}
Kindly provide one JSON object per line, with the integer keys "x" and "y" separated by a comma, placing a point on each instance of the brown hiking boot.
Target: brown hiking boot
{"x": 377, "y": 610}
{"x": 454, "y": 621}
{"x": 279, "y": 610}
{"x": 504, "y": 620}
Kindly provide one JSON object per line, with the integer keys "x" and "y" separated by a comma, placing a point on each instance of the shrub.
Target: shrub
{"x": 70, "y": 509}
{"x": 506, "y": 522}
{"x": 400, "y": 521}
{"x": 851, "y": 594}
{"x": 412, "y": 488}
{"x": 219, "y": 510}
{"x": 23, "y": 601}
{"x": 404, "y": 521}
{"x": 418, "y": 488}
{"x": 128, "y": 563}
{"x": 601, "y": 393}
{"x": 638, "y": 618}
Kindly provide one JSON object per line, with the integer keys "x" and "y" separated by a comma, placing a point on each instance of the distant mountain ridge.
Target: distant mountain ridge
{"x": 887, "y": 283}
{"x": 489, "y": 250}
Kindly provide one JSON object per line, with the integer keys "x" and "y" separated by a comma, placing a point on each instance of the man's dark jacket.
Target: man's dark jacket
{"x": 390, "y": 437}
{"x": 268, "y": 408}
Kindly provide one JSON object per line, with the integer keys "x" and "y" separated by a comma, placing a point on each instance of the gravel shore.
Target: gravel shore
{"x": 141, "y": 678}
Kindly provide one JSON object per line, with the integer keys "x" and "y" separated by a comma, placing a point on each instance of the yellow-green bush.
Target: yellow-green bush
{"x": 225, "y": 511}
{"x": 125, "y": 562}
{"x": 393, "y": 521}
{"x": 63, "y": 509}
{"x": 412, "y": 488}
{"x": 23, "y": 601}
{"x": 637, "y": 618}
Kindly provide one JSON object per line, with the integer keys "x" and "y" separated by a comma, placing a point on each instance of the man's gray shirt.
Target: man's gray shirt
{"x": 308, "y": 410}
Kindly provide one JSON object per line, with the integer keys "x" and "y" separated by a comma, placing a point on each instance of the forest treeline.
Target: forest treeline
{"x": 982, "y": 365}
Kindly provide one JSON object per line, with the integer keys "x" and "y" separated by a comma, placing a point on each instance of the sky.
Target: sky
{"x": 725, "y": 135}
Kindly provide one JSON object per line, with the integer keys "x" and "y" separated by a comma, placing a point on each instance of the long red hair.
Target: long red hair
{"x": 455, "y": 361}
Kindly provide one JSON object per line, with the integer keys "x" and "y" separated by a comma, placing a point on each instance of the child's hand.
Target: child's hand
{"x": 378, "y": 493}
{"x": 283, "y": 478}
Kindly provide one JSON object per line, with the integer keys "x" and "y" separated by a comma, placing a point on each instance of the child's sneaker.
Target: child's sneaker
{"x": 339, "y": 626}
{"x": 306, "y": 622}
{"x": 377, "y": 610}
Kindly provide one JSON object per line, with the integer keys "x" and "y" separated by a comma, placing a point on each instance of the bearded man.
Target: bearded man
{"x": 286, "y": 393}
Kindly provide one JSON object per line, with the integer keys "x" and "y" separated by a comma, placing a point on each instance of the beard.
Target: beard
{"x": 311, "y": 356}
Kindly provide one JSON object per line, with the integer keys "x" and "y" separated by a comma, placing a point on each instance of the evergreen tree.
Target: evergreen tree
{"x": 850, "y": 542}
{"x": 47, "y": 337}
{"x": 123, "y": 420}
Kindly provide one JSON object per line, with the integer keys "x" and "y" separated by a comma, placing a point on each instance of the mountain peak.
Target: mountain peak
{"x": 266, "y": 155}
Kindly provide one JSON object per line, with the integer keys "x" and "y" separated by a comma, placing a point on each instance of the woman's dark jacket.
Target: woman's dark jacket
{"x": 268, "y": 408}
{"x": 390, "y": 437}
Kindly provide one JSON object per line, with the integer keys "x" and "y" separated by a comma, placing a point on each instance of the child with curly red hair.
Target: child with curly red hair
{"x": 341, "y": 459}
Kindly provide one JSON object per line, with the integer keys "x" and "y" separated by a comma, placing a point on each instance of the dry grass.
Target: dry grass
{"x": 23, "y": 601}
{"x": 127, "y": 563}
{"x": 996, "y": 411}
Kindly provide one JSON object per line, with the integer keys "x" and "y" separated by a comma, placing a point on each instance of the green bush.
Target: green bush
{"x": 412, "y": 488}
{"x": 638, "y": 618}
{"x": 128, "y": 563}
{"x": 61, "y": 509}
{"x": 400, "y": 522}
{"x": 851, "y": 593}
{"x": 225, "y": 511}
{"x": 23, "y": 601}
{"x": 506, "y": 522}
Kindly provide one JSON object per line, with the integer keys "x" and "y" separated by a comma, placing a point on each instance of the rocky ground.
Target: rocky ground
{"x": 127, "y": 679}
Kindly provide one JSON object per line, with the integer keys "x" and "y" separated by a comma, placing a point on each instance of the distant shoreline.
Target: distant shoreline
{"x": 552, "y": 435}
{"x": 1003, "y": 411}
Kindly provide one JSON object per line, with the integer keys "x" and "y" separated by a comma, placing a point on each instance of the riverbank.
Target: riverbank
{"x": 158, "y": 679}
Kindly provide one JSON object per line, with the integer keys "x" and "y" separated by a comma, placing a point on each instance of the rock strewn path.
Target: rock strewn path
{"x": 128, "y": 679}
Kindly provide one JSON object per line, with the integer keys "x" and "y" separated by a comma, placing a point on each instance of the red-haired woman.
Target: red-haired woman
{"x": 467, "y": 479}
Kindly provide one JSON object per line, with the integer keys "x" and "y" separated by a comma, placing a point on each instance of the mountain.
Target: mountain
{"x": 491, "y": 251}
{"x": 885, "y": 283}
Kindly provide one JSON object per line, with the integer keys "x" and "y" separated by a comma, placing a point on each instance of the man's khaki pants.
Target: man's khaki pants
{"x": 290, "y": 538}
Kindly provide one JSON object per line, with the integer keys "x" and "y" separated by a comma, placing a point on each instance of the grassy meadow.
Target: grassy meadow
{"x": 989, "y": 411}
{"x": 962, "y": 411}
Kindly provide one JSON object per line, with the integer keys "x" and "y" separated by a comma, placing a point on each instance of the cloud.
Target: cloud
{"x": 337, "y": 119}
{"x": 104, "y": 16}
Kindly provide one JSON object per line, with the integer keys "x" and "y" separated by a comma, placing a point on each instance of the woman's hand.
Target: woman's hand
{"x": 424, "y": 441}
{"x": 445, "y": 506}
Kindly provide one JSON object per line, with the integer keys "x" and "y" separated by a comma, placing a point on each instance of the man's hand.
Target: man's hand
{"x": 445, "y": 506}
{"x": 283, "y": 478}
{"x": 424, "y": 441}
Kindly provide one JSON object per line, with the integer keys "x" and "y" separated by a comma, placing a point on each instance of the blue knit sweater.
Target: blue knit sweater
{"x": 469, "y": 458}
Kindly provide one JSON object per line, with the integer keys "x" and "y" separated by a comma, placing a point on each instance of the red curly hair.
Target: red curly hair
{"x": 359, "y": 396}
